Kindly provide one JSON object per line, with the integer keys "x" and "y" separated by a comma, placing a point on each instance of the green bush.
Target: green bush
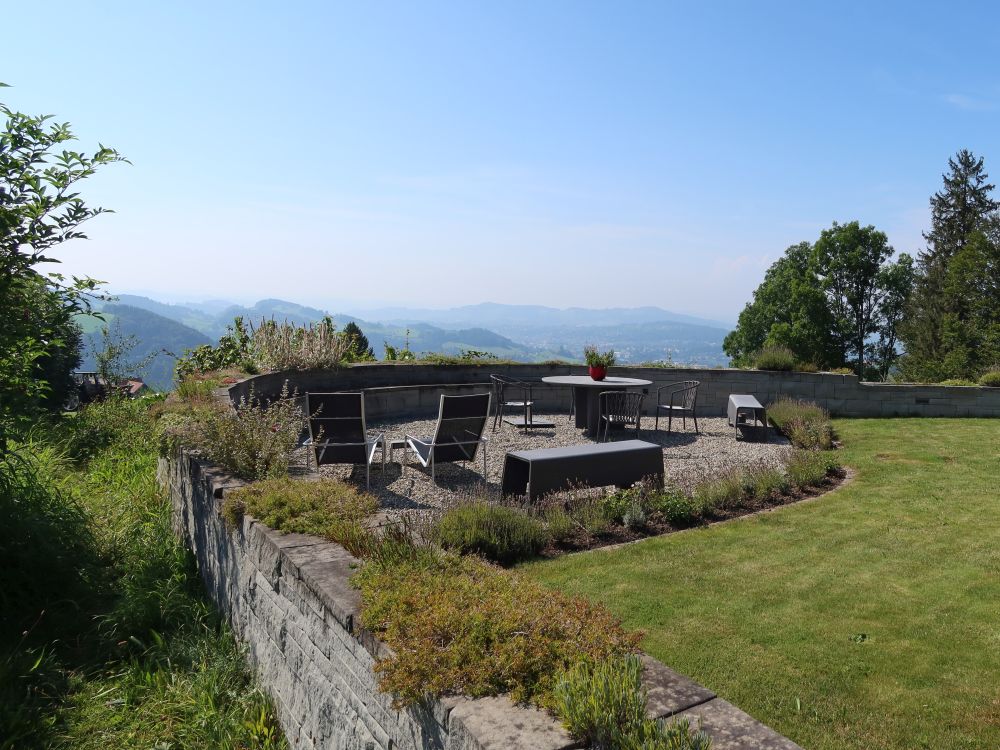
{"x": 841, "y": 371}
{"x": 990, "y": 379}
{"x": 197, "y": 388}
{"x": 560, "y": 524}
{"x": 807, "y": 367}
{"x": 721, "y": 493}
{"x": 957, "y": 381}
{"x": 779, "y": 358}
{"x": 805, "y": 423}
{"x": 459, "y": 625}
{"x": 809, "y": 468}
{"x": 253, "y": 441}
{"x": 676, "y": 507}
{"x": 603, "y": 704}
{"x": 326, "y": 508}
{"x": 497, "y": 532}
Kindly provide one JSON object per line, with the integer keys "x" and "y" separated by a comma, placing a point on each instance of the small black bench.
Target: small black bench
{"x": 538, "y": 472}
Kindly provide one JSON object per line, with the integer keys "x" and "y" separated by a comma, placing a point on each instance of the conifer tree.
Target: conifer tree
{"x": 939, "y": 333}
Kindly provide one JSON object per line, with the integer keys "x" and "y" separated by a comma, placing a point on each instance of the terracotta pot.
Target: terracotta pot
{"x": 597, "y": 372}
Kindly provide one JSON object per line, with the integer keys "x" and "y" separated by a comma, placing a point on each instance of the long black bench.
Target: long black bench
{"x": 538, "y": 472}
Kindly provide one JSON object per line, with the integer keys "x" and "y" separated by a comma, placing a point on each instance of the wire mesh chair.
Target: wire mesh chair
{"x": 619, "y": 409}
{"x": 681, "y": 400}
{"x": 502, "y": 386}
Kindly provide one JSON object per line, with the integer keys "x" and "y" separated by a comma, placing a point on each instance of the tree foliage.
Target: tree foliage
{"x": 833, "y": 304}
{"x": 952, "y": 327}
{"x": 361, "y": 350}
{"x": 39, "y": 209}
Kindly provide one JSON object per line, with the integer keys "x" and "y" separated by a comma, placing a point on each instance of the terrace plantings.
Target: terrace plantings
{"x": 778, "y": 358}
{"x": 990, "y": 379}
{"x": 804, "y": 423}
{"x": 598, "y": 362}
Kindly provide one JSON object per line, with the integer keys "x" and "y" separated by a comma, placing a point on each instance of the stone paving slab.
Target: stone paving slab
{"x": 498, "y": 724}
{"x": 732, "y": 729}
{"x": 670, "y": 692}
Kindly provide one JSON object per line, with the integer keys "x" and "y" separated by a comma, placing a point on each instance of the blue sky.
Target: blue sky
{"x": 563, "y": 153}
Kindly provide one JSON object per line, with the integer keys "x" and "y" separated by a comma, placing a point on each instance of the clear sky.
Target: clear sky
{"x": 562, "y": 153}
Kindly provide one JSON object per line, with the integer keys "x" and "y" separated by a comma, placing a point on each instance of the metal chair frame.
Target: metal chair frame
{"x": 500, "y": 385}
{"x": 683, "y": 400}
{"x": 442, "y": 441}
{"x": 316, "y": 444}
{"x": 619, "y": 408}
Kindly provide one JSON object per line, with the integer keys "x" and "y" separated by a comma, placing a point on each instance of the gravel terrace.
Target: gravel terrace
{"x": 689, "y": 458}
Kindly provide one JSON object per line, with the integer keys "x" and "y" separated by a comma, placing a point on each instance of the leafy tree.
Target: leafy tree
{"x": 39, "y": 209}
{"x": 944, "y": 337}
{"x": 361, "y": 350}
{"x": 851, "y": 262}
{"x": 788, "y": 309}
{"x": 835, "y": 303}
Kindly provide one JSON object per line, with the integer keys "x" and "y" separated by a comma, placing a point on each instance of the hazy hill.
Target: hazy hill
{"x": 520, "y": 332}
{"x": 155, "y": 334}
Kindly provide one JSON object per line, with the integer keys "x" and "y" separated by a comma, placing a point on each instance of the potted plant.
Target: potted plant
{"x": 598, "y": 362}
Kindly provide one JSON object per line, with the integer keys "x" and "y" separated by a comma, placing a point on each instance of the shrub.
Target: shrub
{"x": 957, "y": 381}
{"x": 283, "y": 346}
{"x": 807, "y": 367}
{"x": 841, "y": 371}
{"x": 775, "y": 358}
{"x": 676, "y": 507}
{"x": 326, "y": 508}
{"x": 990, "y": 379}
{"x": 459, "y": 625}
{"x": 603, "y": 704}
{"x": 804, "y": 423}
{"x": 499, "y": 533}
{"x": 560, "y": 524}
{"x": 809, "y": 468}
{"x": 253, "y": 441}
{"x": 196, "y": 388}
{"x": 722, "y": 493}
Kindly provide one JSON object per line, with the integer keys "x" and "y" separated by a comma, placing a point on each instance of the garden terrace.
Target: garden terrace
{"x": 412, "y": 390}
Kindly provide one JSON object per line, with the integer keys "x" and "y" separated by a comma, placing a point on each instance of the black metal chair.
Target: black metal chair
{"x": 338, "y": 433}
{"x": 681, "y": 400}
{"x": 457, "y": 436}
{"x": 502, "y": 388}
{"x": 619, "y": 409}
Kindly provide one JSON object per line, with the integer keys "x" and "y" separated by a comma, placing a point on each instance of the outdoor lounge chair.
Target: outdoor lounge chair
{"x": 681, "y": 398}
{"x": 338, "y": 434}
{"x": 619, "y": 409}
{"x": 457, "y": 436}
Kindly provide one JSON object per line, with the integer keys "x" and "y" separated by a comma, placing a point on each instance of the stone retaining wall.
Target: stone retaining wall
{"x": 394, "y": 390}
{"x": 288, "y": 598}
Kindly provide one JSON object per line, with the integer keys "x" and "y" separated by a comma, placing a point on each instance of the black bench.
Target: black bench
{"x": 538, "y": 472}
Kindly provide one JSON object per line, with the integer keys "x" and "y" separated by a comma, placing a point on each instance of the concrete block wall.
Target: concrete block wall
{"x": 288, "y": 597}
{"x": 396, "y": 390}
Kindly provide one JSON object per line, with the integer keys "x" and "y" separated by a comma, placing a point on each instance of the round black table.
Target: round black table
{"x": 587, "y": 392}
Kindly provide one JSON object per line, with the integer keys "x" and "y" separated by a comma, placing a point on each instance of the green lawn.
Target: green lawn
{"x": 867, "y": 618}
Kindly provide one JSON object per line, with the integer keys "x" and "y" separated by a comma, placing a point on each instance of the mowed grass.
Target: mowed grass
{"x": 866, "y": 618}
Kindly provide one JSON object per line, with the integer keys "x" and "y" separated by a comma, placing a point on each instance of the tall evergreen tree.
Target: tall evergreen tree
{"x": 360, "y": 348}
{"x": 938, "y": 332}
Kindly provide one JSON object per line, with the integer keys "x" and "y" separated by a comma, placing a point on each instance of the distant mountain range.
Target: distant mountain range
{"x": 529, "y": 333}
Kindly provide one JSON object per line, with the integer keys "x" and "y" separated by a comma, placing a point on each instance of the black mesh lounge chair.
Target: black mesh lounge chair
{"x": 457, "y": 436}
{"x": 681, "y": 399}
{"x": 337, "y": 431}
{"x": 619, "y": 409}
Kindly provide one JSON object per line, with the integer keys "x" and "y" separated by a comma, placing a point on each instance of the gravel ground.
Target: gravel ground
{"x": 689, "y": 458}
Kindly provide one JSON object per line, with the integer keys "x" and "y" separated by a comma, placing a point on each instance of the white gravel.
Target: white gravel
{"x": 689, "y": 458}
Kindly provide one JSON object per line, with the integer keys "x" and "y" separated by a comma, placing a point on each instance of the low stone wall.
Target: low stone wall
{"x": 288, "y": 597}
{"x": 394, "y": 390}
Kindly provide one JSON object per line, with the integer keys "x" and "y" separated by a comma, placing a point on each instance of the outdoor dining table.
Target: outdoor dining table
{"x": 587, "y": 392}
